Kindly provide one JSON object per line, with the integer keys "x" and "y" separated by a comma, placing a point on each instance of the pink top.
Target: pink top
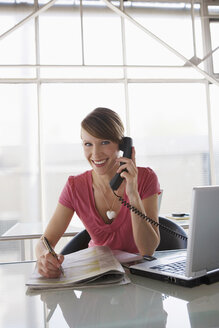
{"x": 78, "y": 195}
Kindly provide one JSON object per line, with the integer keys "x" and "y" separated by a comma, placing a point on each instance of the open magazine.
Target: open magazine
{"x": 94, "y": 266}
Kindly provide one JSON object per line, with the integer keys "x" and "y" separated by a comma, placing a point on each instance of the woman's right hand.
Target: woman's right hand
{"x": 49, "y": 266}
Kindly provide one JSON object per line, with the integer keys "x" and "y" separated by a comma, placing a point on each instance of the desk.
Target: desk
{"x": 145, "y": 303}
{"x": 32, "y": 230}
{"x": 29, "y": 231}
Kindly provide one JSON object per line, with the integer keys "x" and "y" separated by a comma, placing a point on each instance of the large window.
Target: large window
{"x": 74, "y": 56}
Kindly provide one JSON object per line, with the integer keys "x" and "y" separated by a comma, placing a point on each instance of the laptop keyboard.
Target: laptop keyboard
{"x": 175, "y": 267}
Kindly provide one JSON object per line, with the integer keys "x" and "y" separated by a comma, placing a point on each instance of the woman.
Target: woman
{"x": 89, "y": 194}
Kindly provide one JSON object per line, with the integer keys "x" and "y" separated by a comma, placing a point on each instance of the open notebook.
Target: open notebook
{"x": 200, "y": 261}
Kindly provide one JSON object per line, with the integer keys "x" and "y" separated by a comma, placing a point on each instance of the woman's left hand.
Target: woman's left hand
{"x": 130, "y": 174}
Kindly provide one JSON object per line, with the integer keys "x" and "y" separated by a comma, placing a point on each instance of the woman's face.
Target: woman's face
{"x": 100, "y": 153}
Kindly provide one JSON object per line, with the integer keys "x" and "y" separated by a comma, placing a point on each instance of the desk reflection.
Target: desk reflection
{"x": 204, "y": 311}
{"x": 202, "y": 302}
{"x": 118, "y": 306}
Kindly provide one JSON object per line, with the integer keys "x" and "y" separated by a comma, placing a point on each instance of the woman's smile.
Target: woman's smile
{"x": 99, "y": 163}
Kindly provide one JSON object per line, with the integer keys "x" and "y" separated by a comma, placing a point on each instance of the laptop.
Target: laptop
{"x": 200, "y": 262}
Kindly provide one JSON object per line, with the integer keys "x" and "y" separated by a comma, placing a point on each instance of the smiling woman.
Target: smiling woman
{"x": 89, "y": 195}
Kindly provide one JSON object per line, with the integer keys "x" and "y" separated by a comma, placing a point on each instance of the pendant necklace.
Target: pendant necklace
{"x": 109, "y": 213}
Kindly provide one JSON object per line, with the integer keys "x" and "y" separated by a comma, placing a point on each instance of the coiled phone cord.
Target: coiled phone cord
{"x": 145, "y": 217}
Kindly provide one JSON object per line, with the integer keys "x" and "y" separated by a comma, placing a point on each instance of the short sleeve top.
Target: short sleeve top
{"x": 78, "y": 195}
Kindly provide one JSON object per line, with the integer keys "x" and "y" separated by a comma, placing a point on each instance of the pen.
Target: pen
{"x": 51, "y": 250}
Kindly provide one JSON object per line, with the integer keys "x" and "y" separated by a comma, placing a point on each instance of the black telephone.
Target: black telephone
{"x": 126, "y": 147}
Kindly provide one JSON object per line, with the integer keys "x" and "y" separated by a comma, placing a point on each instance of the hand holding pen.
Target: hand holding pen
{"x": 51, "y": 251}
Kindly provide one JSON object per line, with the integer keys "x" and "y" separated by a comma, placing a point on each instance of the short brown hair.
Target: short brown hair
{"x": 104, "y": 123}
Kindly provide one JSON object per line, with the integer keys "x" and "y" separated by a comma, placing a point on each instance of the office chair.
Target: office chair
{"x": 167, "y": 240}
{"x": 78, "y": 242}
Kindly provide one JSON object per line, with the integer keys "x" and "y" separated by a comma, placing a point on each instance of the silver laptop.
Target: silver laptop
{"x": 200, "y": 261}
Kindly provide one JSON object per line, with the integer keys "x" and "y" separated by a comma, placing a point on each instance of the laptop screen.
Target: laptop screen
{"x": 203, "y": 241}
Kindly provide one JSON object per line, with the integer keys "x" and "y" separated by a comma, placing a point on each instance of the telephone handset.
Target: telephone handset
{"x": 126, "y": 147}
